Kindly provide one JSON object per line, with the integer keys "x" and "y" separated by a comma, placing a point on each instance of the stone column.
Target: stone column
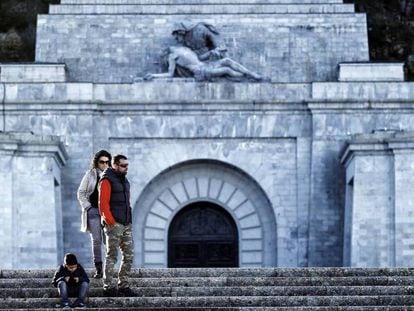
{"x": 403, "y": 150}
{"x": 379, "y": 208}
{"x": 31, "y": 216}
{"x": 6, "y": 206}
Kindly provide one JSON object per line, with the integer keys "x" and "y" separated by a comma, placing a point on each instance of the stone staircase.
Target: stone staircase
{"x": 227, "y": 289}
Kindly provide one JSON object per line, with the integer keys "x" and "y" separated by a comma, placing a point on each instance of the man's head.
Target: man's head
{"x": 179, "y": 35}
{"x": 70, "y": 261}
{"x": 180, "y": 30}
{"x": 120, "y": 164}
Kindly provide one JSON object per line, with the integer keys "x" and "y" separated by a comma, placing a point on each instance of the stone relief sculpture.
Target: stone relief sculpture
{"x": 184, "y": 57}
{"x": 202, "y": 38}
{"x": 198, "y": 55}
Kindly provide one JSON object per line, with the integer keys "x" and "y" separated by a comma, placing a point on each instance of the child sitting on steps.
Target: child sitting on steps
{"x": 71, "y": 281}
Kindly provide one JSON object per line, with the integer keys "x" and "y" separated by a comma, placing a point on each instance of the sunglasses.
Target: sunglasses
{"x": 103, "y": 162}
{"x": 123, "y": 165}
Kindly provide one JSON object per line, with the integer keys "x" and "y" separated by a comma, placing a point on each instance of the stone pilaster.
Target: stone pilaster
{"x": 379, "y": 206}
{"x": 31, "y": 212}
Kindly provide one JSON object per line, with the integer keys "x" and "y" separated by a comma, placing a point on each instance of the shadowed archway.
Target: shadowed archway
{"x": 202, "y": 234}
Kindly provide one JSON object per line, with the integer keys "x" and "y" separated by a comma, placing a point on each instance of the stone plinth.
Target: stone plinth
{"x": 202, "y": 8}
{"x": 363, "y": 91}
{"x": 124, "y": 2}
{"x": 32, "y": 73}
{"x": 371, "y": 72}
{"x": 155, "y": 93}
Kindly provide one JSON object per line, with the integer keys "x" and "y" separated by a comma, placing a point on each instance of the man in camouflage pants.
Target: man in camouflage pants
{"x": 115, "y": 209}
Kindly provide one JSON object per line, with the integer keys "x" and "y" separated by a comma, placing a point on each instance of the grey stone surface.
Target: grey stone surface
{"x": 32, "y": 73}
{"x": 32, "y": 222}
{"x": 243, "y": 289}
{"x": 193, "y": 1}
{"x": 371, "y": 72}
{"x": 179, "y": 94}
{"x": 284, "y": 47}
{"x": 381, "y": 207}
{"x": 401, "y": 93}
{"x": 6, "y": 222}
{"x": 240, "y": 8}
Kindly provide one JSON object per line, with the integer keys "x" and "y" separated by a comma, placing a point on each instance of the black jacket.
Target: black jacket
{"x": 62, "y": 272}
{"x": 119, "y": 203}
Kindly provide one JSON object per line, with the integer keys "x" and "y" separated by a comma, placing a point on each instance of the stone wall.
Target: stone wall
{"x": 282, "y": 47}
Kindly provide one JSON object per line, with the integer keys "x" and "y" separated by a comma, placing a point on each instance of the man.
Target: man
{"x": 116, "y": 213}
{"x": 185, "y": 58}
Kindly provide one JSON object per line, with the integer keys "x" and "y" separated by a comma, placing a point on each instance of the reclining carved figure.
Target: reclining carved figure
{"x": 184, "y": 57}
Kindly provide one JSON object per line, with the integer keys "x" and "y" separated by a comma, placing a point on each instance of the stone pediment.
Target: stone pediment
{"x": 117, "y": 41}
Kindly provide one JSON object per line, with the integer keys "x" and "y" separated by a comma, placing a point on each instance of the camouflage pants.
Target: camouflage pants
{"x": 118, "y": 236}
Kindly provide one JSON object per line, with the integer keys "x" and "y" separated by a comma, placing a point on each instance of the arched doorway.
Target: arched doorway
{"x": 202, "y": 234}
{"x": 213, "y": 182}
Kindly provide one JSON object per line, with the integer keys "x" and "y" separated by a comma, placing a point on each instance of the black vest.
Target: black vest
{"x": 119, "y": 203}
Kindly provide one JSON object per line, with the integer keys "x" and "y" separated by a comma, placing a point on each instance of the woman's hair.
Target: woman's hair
{"x": 100, "y": 153}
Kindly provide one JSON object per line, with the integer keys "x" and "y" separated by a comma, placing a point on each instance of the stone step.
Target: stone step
{"x": 230, "y": 272}
{"x": 297, "y": 308}
{"x": 223, "y": 301}
{"x": 227, "y": 289}
{"x": 231, "y": 281}
{"x": 201, "y": 9}
{"x": 50, "y": 292}
{"x": 122, "y": 2}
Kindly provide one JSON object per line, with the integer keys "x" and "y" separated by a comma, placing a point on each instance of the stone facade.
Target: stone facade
{"x": 268, "y": 153}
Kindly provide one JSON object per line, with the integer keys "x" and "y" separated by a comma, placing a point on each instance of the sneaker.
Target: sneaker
{"x": 98, "y": 275}
{"x": 65, "y": 306}
{"x": 110, "y": 292}
{"x": 78, "y": 304}
{"x": 125, "y": 292}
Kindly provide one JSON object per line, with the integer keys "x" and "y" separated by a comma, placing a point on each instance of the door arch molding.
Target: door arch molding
{"x": 211, "y": 181}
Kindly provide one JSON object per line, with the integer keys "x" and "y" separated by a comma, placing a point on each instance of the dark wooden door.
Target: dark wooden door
{"x": 203, "y": 234}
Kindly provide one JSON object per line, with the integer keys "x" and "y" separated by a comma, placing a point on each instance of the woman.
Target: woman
{"x": 88, "y": 198}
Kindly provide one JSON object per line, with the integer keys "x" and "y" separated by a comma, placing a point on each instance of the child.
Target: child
{"x": 71, "y": 281}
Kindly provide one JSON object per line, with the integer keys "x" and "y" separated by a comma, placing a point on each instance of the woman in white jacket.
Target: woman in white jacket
{"x": 88, "y": 197}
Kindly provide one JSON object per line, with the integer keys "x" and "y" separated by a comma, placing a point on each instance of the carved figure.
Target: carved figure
{"x": 186, "y": 58}
{"x": 202, "y": 38}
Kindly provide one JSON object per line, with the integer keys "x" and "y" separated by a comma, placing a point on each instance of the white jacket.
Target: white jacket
{"x": 86, "y": 188}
